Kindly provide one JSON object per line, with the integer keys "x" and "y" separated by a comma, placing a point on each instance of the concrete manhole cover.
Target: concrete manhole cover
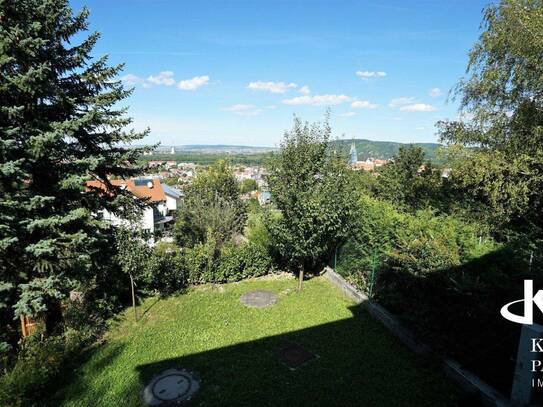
{"x": 171, "y": 387}
{"x": 259, "y": 299}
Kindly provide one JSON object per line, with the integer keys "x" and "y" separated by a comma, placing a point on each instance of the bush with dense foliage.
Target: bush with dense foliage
{"x": 165, "y": 271}
{"x": 425, "y": 243}
{"x": 211, "y": 206}
{"x": 202, "y": 261}
{"x": 172, "y": 270}
{"x": 243, "y": 261}
{"x": 446, "y": 278}
{"x": 414, "y": 244}
{"x": 40, "y": 365}
{"x": 248, "y": 185}
{"x": 376, "y": 226}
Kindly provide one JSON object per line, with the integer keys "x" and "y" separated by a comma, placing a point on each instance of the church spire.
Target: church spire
{"x": 353, "y": 155}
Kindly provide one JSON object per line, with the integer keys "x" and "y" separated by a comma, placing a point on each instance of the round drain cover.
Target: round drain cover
{"x": 259, "y": 299}
{"x": 173, "y": 386}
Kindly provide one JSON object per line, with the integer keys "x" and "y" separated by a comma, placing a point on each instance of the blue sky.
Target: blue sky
{"x": 235, "y": 72}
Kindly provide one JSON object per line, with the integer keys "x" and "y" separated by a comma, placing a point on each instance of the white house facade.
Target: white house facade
{"x": 162, "y": 201}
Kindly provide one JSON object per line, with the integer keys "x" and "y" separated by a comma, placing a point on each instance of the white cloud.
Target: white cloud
{"x": 131, "y": 79}
{"x": 435, "y": 92}
{"x": 163, "y": 78}
{"x": 370, "y": 74}
{"x": 348, "y": 114}
{"x": 408, "y": 104}
{"x": 318, "y": 100}
{"x": 243, "y": 110}
{"x": 194, "y": 83}
{"x": 363, "y": 104}
{"x": 401, "y": 101}
{"x": 305, "y": 90}
{"x": 418, "y": 107}
{"x": 271, "y": 107}
{"x": 237, "y": 108}
{"x": 255, "y": 112}
{"x": 272, "y": 87}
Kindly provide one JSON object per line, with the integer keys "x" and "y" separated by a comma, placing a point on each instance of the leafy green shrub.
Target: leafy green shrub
{"x": 409, "y": 244}
{"x": 426, "y": 262}
{"x": 172, "y": 269}
{"x": 376, "y": 228}
{"x": 201, "y": 261}
{"x": 257, "y": 231}
{"x": 165, "y": 271}
{"x": 87, "y": 317}
{"x": 426, "y": 243}
{"x": 243, "y": 261}
{"x": 445, "y": 277}
{"x": 248, "y": 185}
{"x": 39, "y": 364}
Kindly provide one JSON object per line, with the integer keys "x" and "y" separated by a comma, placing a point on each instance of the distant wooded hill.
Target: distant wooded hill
{"x": 381, "y": 149}
{"x": 204, "y": 158}
{"x": 213, "y": 149}
{"x": 248, "y": 155}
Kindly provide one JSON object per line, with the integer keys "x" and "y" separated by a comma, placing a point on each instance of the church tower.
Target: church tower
{"x": 353, "y": 155}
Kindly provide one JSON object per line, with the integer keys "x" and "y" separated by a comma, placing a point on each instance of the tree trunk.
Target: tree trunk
{"x": 53, "y": 317}
{"x": 133, "y": 297}
{"x": 300, "y": 278}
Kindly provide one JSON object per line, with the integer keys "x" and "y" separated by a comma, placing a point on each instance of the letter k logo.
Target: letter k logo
{"x": 529, "y": 300}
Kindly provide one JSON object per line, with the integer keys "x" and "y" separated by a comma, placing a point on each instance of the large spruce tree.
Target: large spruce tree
{"x": 60, "y": 125}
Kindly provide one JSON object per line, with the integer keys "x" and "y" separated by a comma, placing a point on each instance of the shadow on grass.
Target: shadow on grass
{"x": 457, "y": 310}
{"x": 156, "y": 299}
{"x": 357, "y": 363}
{"x": 147, "y": 309}
{"x": 71, "y": 374}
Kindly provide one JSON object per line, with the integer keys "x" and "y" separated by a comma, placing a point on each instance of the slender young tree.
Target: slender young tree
{"x": 311, "y": 187}
{"x": 133, "y": 252}
{"x": 60, "y": 125}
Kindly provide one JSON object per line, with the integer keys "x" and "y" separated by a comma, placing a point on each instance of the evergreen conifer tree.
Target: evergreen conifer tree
{"x": 60, "y": 125}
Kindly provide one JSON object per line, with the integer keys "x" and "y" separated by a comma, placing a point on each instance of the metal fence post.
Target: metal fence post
{"x": 373, "y": 267}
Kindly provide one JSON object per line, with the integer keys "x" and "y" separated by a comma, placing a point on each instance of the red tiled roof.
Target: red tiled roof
{"x": 154, "y": 194}
{"x": 363, "y": 165}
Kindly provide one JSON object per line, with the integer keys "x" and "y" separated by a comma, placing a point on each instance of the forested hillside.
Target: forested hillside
{"x": 382, "y": 149}
{"x": 366, "y": 149}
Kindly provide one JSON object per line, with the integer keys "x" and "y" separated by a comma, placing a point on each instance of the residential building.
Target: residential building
{"x": 161, "y": 202}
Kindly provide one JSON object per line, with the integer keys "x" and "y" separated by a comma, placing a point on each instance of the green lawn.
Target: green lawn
{"x": 234, "y": 351}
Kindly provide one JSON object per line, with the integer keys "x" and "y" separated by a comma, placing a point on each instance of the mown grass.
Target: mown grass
{"x": 234, "y": 351}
